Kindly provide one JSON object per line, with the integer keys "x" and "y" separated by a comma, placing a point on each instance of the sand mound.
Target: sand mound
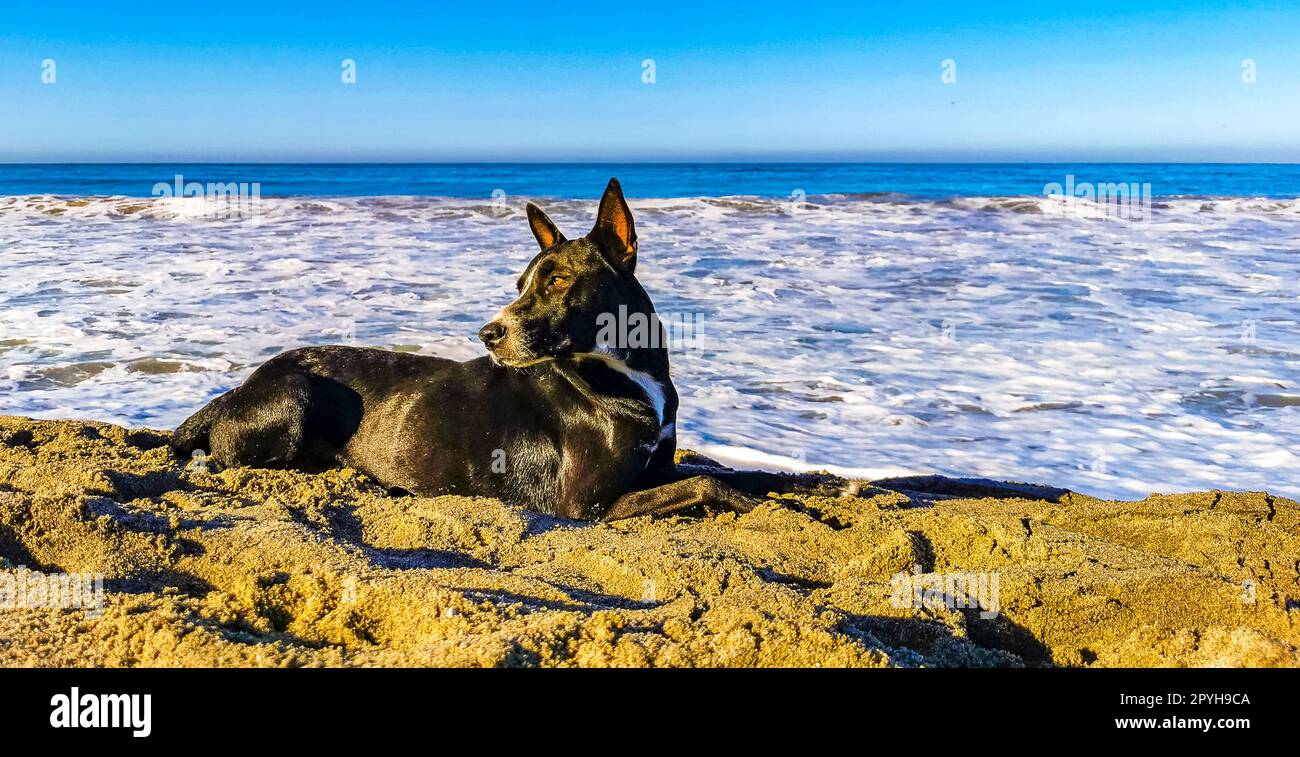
{"x": 276, "y": 568}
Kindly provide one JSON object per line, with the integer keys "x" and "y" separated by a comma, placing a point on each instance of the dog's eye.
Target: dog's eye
{"x": 557, "y": 282}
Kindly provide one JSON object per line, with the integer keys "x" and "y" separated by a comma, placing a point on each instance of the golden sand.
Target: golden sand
{"x": 278, "y": 568}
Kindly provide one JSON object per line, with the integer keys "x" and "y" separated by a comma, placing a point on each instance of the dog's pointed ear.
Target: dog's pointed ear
{"x": 548, "y": 235}
{"x": 614, "y": 232}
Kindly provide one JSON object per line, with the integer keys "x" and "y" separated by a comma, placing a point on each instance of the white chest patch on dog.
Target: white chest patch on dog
{"x": 654, "y": 391}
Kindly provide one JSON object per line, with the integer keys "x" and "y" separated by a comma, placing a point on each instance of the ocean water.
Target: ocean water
{"x": 967, "y": 326}
{"x": 581, "y": 180}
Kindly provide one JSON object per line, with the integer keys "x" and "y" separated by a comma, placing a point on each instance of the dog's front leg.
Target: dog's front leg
{"x": 681, "y": 495}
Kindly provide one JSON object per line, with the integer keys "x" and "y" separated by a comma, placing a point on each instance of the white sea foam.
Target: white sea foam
{"x": 879, "y": 336}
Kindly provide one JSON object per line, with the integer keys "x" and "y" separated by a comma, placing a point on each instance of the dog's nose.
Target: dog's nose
{"x": 492, "y": 333}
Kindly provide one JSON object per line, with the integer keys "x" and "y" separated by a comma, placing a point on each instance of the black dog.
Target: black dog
{"x": 552, "y": 420}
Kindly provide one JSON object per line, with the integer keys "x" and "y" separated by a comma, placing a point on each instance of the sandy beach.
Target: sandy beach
{"x": 275, "y": 568}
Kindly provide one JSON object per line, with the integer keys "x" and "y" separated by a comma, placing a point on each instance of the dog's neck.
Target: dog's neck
{"x": 655, "y": 389}
{"x": 645, "y": 366}
{"x": 650, "y": 361}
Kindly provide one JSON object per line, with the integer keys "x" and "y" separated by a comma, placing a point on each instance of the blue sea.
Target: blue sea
{"x": 578, "y": 180}
{"x": 870, "y": 319}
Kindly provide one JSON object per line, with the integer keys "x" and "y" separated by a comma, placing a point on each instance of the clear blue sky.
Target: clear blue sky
{"x": 499, "y": 80}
